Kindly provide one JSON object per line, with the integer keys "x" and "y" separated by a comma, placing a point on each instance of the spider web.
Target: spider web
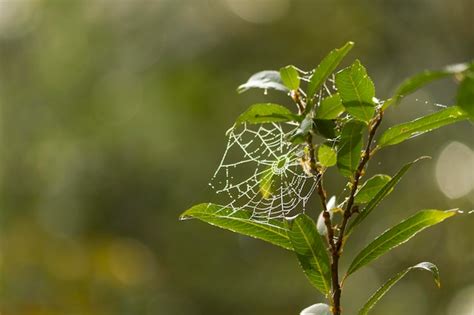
{"x": 261, "y": 172}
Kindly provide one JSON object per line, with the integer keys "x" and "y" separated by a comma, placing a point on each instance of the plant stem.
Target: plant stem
{"x": 348, "y": 212}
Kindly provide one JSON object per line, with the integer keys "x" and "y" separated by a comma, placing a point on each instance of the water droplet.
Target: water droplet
{"x": 265, "y": 92}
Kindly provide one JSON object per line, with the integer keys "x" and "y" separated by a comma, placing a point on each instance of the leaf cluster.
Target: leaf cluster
{"x": 340, "y": 108}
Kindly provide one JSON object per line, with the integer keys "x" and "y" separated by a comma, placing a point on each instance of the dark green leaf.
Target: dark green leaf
{"x": 327, "y": 156}
{"x": 266, "y": 113}
{"x": 326, "y": 67}
{"x": 371, "y": 187}
{"x": 311, "y": 252}
{"x": 330, "y": 107}
{"x": 350, "y": 147}
{"x": 289, "y": 76}
{"x": 402, "y": 132}
{"x": 382, "y": 193}
{"x": 390, "y": 283}
{"x": 357, "y": 91}
{"x": 317, "y": 309}
{"x": 266, "y": 80}
{"x": 398, "y": 235}
{"x": 274, "y": 231}
{"x": 465, "y": 95}
{"x": 419, "y": 80}
{"x": 326, "y": 128}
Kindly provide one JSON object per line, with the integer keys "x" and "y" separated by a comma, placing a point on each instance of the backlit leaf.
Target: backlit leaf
{"x": 390, "y": 283}
{"x": 327, "y": 155}
{"x": 371, "y": 187}
{"x": 326, "y": 68}
{"x": 357, "y": 91}
{"x": 274, "y": 231}
{"x": 402, "y": 132}
{"x": 398, "y": 235}
{"x": 289, "y": 76}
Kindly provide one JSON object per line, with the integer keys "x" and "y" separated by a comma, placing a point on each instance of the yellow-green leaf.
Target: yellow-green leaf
{"x": 327, "y": 156}
{"x": 266, "y": 113}
{"x": 326, "y": 68}
{"x": 402, "y": 132}
{"x": 330, "y": 107}
{"x": 289, "y": 76}
{"x": 371, "y": 187}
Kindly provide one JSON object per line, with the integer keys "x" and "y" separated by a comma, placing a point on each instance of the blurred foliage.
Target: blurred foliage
{"x": 113, "y": 113}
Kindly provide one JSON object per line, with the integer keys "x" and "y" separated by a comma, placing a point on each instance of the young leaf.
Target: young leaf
{"x": 317, "y": 309}
{"x": 266, "y": 80}
{"x": 419, "y": 80}
{"x": 382, "y": 193}
{"x": 327, "y": 156}
{"x": 357, "y": 91}
{"x": 311, "y": 252}
{"x": 330, "y": 107}
{"x": 266, "y": 113}
{"x": 398, "y": 235}
{"x": 274, "y": 231}
{"x": 289, "y": 76}
{"x": 390, "y": 283}
{"x": 371, "y": 188}
{"x": 325, "y": 68}
{"x": 465, "y": 97}
{"x": 402, "y": 132}
{"x": 350, "y": 148}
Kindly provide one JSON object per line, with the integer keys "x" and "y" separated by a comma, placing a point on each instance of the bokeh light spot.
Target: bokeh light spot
{"x": 259, "y": 11}
{"x": 455, "y": 170}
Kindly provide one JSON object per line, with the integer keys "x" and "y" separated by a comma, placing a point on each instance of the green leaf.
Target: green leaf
{"x": 398, "y": 235}
{"x": 311, "y": 252}
{"x": 266, "y": 80}
{"x": 317, "y": 309}
{"x": 381, "y": 194}
{"x": 419, "y": 80}
{"x": 330, "y": 107}
{"x": 371, "y": 187}
{"x": 390, "y": 283}
{"x": 327, "y": 156}
{"x": 289, "y": 76}
{"x": 402, "y": 132}
{"x": 266, "y": 113}
{"x": 325, "y": 68}
{"x": 274, "y": 231}
{"x": 465, "y": 97}
{"x": 357, "y": 91}
{"x": 350, "y": 147}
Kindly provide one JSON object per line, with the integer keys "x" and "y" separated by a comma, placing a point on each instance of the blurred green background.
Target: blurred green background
{"x": 113, "y": 116}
